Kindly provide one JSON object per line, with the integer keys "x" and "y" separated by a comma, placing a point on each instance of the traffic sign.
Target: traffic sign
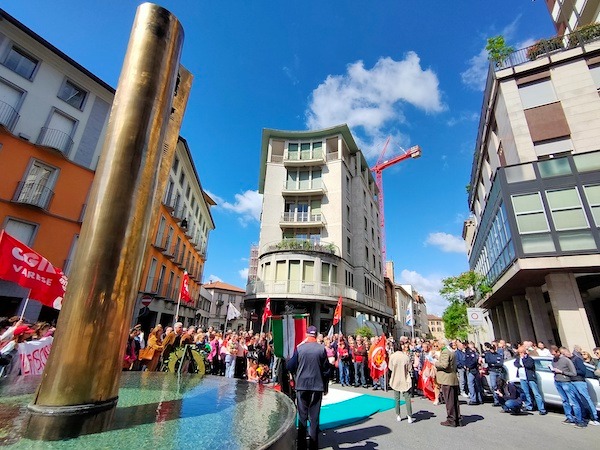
{"x": 475, "y": 316}
{"x": 146, "y": 300}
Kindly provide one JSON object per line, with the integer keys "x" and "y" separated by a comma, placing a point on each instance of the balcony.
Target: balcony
{"x": 178, "y": 214}
{"x": 35, "y": 194}
{"x": 301, "y": 220}
{"x": 56, "y": 139}
{"x": 314, "y": 187}
{"x": 294, "y": 245}
{"x": 304, "y": 158}
{"x": 8, "y": 116}
{"x": 584, "y": 39}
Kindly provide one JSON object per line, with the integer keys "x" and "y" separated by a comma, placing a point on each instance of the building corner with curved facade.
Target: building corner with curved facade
{"x": 319, "y": 234}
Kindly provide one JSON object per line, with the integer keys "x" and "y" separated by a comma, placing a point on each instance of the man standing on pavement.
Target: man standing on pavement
{"x": 447, "y": 378}
{"x": 400, "y": 380}
{"x": 563, "y": 370}
{"x": 310, "y": 368}
{"x": 580, "y": 386}
{"x": 460, "y": 367}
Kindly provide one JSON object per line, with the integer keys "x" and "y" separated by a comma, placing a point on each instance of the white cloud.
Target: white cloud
{"x": 446, "y": 242}
{"x": 243, "y": 273}
{"x": 247, "y": 205}
{"x": 213, "y": 278}
{"x": 463, "y": 117}
{"x": 429, "y": 287}
{"x": 371, "y": 99}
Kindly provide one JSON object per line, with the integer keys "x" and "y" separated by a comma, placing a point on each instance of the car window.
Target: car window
{"x": 541, "y": 365}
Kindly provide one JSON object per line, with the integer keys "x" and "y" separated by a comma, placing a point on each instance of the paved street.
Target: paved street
{"x": 485, "y": 427}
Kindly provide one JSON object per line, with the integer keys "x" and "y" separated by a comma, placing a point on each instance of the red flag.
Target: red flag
{"x": 337, "y": 315}
{"x": 22, "y": 265}
{"x": 267, "y": 313}
{"x": 377, "y": 359}
{"x": 185, "y": 288}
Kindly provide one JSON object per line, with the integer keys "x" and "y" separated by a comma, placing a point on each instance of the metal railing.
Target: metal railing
{"x": 36, "y": 194}
{"x": 8, "y": 115}
{"x": 304, "y": 155}
{"x": 56, "y": 139}
{"x": 301, "y": 217}
{"x": 301, "y": 244}
{"x": 313, "y": 185}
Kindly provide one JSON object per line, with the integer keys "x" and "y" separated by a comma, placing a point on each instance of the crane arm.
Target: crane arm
{"x": 413, "y": 152}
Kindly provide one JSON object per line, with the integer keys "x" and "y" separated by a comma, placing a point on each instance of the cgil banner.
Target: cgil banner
{"x": 24, "y": 266}
{"x": 33, "y": 355}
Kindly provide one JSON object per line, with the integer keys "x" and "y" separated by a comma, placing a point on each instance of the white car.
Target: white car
{"x": 546, "y": 380}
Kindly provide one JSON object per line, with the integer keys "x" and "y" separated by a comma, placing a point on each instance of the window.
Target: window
{"x": 554, "y": 167}
{"x": 566, "y": 209}
{"x": 587, "y": 162}
{"x": 553, "y": 147}
{"x": 57, "y": 133}
{"x": 595, "y": 72}
{"x": 592, "y": 194}
{"x": 348, "y": 245}
{"x": 188, "y": 191}
{"x": 36, "y": 189}
{"x": 530, "y": 214}
{"x": 11, "y": 96}
{"x": 151, "y": 273}
{"x": 161, "y": 231}
{"x": 72, "y": 94}
{"x": 181, "y": 179}
{"x": 537, "y": 94}
{"x": 20, "y": 62}
{"x": 175, "y": 165}
{"x": 161, "y": 277}
{"x": 23, "y": 231}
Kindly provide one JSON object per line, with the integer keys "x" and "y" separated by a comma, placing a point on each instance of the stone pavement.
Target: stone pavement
{"x": 485, "y": 428}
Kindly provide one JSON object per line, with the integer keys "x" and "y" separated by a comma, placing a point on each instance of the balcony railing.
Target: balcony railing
{"x": 301, "y": 244}
{"x": 302, "y": 217}
{"x": 304, "y": 157}
{"x": 35, "y": 194}
{"x": 8, "y": 115}
{"x": 546, "y": 47}
{"x": 56, "y": 139}
{"x": 304, "y": 186}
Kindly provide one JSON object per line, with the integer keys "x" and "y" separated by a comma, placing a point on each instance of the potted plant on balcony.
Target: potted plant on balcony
{"x": 497, "y": 50}
{"x": 583, "y": 34}
{"x": 544, "y": 46}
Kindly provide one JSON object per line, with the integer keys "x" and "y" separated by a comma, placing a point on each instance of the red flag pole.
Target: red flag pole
{"x": 25, "y": 305}
{"x": 177, "y": 310}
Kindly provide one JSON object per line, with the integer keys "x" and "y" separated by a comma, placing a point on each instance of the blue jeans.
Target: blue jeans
{"x": 229, "y": 366}
{"x": 584, "y": 396}
{"x": 359, "y": 369}
{"x": 568, "y": 394}
{"x": 474, "y": 387}
{"x": 494, "y": 377}
{"x": 344, "y": 372}
{"x": 510, "y": 405}
{"x": 526, "y": 385}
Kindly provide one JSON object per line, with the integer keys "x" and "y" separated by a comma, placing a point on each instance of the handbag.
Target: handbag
{"x": 146, "y": 353}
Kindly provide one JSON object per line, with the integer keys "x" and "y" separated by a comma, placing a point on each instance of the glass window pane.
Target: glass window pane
{"x": 531, "y": 223}
{"x": 308, "y": 271}
{"x": 595, "y": 72}
{"x": 554, "y": 167}
{"x": 565, "y": 198}
{"x": 576, "y": 240}
{"x": 587, "y": 162}
{"x": 520, "y": 173}
{"x": 596, "y": 214}
{"x": 537, "y": 244}
{"x": 525, "y": 203}
{"x": 317, "y": 145}
{"x": 593, "y": 194}
{"x": 569, "y": 219}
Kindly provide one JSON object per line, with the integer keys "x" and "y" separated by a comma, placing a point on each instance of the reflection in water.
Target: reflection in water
{"x": 157, "y": 409}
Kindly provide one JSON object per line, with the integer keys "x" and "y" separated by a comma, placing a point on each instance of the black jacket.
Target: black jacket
{"x": 310, "y": 367}
{"x": 529, "y": 364}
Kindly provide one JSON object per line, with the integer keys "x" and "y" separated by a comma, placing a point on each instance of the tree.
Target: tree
{"x": 466, "y": 288}
{"x": 456, "y": 324}
{"x": 364, "y": 331}
{"x": 497, "y": 49}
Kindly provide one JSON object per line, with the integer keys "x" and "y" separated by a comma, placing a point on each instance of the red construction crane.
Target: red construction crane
{"x": 413, "y": 152}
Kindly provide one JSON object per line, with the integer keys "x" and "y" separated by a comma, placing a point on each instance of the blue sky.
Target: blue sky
{"x": 410, "y": 70}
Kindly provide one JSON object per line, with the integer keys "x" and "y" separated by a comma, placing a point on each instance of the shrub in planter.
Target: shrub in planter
{"x": 584, "y": 33}
{"x": 544, "y": 45}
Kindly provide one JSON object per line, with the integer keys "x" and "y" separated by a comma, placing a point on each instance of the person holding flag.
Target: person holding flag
{"x": 266, "y": 314}
{"x": 337, "y": 315}
{"x": 378, "y": 363}
{"x": 184, "y": 293}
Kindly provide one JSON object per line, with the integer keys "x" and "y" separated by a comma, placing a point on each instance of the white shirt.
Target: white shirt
{"x": 543, "y": 352}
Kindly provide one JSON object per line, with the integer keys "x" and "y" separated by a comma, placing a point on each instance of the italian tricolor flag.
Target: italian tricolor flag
{"x": 288, "y": 332}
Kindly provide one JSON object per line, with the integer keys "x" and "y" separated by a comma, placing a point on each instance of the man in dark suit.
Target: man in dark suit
{"x": 311, "y": 368}
{"x": 447, "y": 378}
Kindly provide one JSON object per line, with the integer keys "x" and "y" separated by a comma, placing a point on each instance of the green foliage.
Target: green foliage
{"x": 497, "y": 49}
{"x": 585, "y": 33}
{"x": 304, "y": 244}
{"x": 468, "y": 187}
{"x": 544, "y": 46}
{"x": 364, "y": 331}
{"x": 465, "y": 288}
{"x": 456, "y": 324}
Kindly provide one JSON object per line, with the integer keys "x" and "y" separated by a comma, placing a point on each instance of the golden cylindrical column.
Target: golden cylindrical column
{"x": 84, "y": 367}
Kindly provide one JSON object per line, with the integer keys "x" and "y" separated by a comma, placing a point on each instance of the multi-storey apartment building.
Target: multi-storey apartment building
{"x": 409, "y": 300}
{"x": 570, "y": 14}
{"x": 222, "y": 294}
{"x": 535, "y": 194}
{"x": 319, "y": 236}
{"x": 436, "y": 326}
{"x": 53, "y": 116}
{"x": 179, "y": 243}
